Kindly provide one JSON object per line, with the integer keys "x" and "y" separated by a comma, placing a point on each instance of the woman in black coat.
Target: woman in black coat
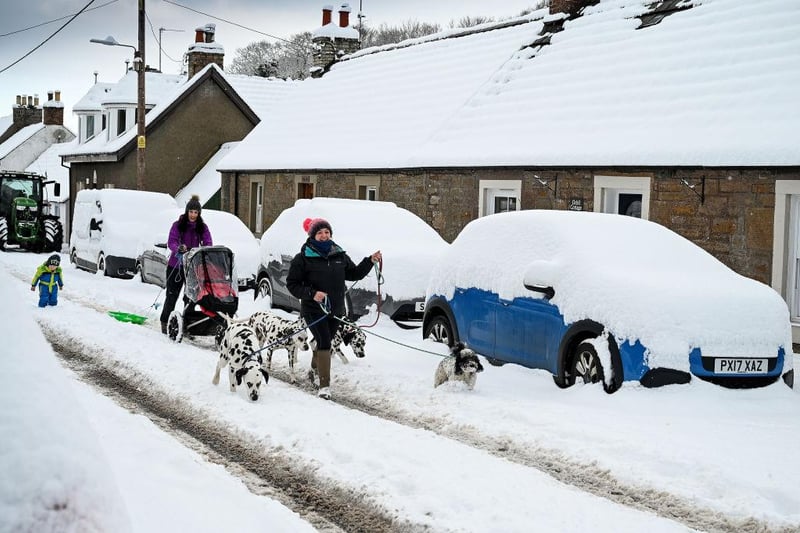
{"x": 318, "y": 272}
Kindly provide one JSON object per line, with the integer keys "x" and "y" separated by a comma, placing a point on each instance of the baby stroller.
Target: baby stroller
{"x": 211, "y": 288}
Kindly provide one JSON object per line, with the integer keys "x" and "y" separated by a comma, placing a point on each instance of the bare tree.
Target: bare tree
{"x": 282, "y": 59}
{"x": 470, "y": 21}
{"x": 385, "y": 34}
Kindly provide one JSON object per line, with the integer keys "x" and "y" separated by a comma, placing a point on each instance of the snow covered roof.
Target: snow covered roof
{"x": 13, "y": 142}
{"x": 158, "y": 88}
{"x": 257, "y": 94}
{"x": 92, "y": 100}
{"x": 207, "y": 181}
{"x": 712, "y": 85}
{"x": 49, "y": 164}
{"x": 5, "y": 123}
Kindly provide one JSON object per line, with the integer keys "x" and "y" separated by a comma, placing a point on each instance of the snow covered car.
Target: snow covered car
{"x": 593, "y": 297}
{"x": 409, "y": 246}
{"x": 107, "y": 226}
{"x": 226, "y": 230}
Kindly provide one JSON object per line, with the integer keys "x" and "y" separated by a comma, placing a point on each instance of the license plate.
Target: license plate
{"x": 419, "y": 307}
{"x": 740, "y": 366}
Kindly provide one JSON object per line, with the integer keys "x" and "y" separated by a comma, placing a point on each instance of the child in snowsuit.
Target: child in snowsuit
{"x": 48, "y": 277}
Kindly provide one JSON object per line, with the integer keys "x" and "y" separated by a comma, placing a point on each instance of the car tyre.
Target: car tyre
{"x": 440, "y": 330}
{"x": 587, "y": 368}
{"x": 495, "y": 362}
{"x": 175, "y": 326}
{"x": 264, "y": 290}
{"x": 101, "y": 264}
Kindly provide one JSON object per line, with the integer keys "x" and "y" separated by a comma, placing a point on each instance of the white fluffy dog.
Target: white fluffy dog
{"x": 461, "y": 365}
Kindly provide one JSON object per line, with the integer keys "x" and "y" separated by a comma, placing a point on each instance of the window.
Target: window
{"x": 89, "y": 130}
{"x": 104, "y": 122}
{"x": 786, "y": 249}
{"x": 622, "y": 195}
{"x": 305, "y": 190}
{"x": 256, "y": 206}
{"x": 367, "y": 188}
{"x": 120, "y": 122}
{"x": 498, "y": 196}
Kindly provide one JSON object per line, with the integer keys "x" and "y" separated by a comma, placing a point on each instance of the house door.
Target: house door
{"x": 305, "y": 191}
{"x": 793, "y": 266}
{"x": 257, "y": 207}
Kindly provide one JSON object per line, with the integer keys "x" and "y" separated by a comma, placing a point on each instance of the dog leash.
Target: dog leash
{"x": 378, "y": 265}
{"x": 351, "y": 323}
{"x": 324, "y": 305}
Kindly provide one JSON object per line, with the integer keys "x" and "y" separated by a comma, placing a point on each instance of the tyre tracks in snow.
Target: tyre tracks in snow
{"x": 295, "y": 487}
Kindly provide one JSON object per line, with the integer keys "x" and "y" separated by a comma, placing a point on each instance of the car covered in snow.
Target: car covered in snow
{"x": 409, "y": 247}
{"x": 593, "y": 297}
{"x": 226, "y": 230}
{"x": 107, "y": 226}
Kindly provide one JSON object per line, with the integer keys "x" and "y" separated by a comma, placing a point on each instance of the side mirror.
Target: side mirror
{"x": 161, "y": 245}
{"x": 547, "y": 292}
{"x": 57, "y": 189}
{"x": 94, "y": 225}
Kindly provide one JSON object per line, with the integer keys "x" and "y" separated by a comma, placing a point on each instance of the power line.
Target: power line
{"x": 51, "y": 36}
{"x": 54, "y": 20}
{"x": 160, "y": 49}
{"x": 229, "y": 22}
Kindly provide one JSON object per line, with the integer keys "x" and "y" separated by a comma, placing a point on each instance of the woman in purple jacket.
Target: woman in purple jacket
{"x": 188, "y": 232}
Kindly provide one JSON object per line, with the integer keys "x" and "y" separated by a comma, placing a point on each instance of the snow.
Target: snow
{"x": 699, "y": 88}
{"x": 729, "y": 451}
{"x": 49, "y": 164}
{"x": 18, "y": 138}
{"x": 207, "y": 182}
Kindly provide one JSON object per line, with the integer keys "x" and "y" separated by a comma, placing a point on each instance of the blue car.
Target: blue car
{"x": 601, "y": 298}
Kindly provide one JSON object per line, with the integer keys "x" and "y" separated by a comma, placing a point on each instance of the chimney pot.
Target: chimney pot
{"x": 49, "y": 96}
{"x": 327, "y": 14}
{"x": 30, "y": 101}
{"x": 344, "y": 16}
{"x": 209, "y": 31}
{"x": 57, "y": 95}
{"x": 19, "y": 99}
{"x": 199, "y": 35}
{"x": 36, "y": 100}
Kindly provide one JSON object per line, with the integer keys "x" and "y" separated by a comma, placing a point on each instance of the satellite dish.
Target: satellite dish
{"x": 59, "y": 135}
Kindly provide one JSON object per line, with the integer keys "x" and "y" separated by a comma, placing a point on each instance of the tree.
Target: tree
{"x": 385, "y": 34}
{"x": 282, "y": 59}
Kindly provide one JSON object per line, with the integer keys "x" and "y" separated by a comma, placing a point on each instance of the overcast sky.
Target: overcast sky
{"x": 68, "y": 61}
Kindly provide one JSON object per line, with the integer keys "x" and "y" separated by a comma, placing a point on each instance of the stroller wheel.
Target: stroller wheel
{"x": 175, "y": 326}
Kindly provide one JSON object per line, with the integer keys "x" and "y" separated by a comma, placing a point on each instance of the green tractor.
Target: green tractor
{"x": 25, "y": 220}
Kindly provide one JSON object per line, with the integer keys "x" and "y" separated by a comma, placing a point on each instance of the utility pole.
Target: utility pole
{"x": 361, "y": 18}
{"x": 140, "y": 100}
{"x": 160, "y": 31}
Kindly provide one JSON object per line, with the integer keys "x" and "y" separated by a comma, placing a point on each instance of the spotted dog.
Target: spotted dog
{"x": 349, "y": 335}
{"x": 276, "y": 333}
{"x": 461, "y": 365}
{"x": 238, "y": 349}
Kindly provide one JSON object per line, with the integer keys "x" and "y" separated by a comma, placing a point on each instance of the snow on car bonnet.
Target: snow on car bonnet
{"x": 639, "y": 279}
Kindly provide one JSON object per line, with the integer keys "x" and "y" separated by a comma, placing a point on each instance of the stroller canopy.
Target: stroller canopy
{"x": 211, "y": 280}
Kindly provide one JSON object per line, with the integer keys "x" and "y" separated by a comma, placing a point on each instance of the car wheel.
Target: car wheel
{"x": 101, "y": 264}
{"x": 440, "y": 330}
{"x": 175, "y": 326}
{"x": 140, "y": 271}
{"x": 495, "y": 362}
{"x": 264, "y": 290}
{"x": 73, "y": 257}
{"x": 587, "y": 368}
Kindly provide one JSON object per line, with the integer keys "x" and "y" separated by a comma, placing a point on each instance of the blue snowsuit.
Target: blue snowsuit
{"x": 49, "y": 283}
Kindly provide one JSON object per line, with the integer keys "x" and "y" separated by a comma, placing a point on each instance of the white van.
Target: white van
{"x": 107, "y": 226}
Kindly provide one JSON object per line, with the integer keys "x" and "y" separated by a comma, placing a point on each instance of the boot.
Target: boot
{"x": 313, "y": 375}
{"x": 324, "y": 369}
{"x": 163, "y": 327}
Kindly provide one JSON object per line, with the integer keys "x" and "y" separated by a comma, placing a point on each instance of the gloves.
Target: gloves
{"x": 33, "y": 287}
{"x": 182, "y": 249}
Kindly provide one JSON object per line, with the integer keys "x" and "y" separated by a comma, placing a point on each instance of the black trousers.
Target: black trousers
{"x": 324, "y": 330}
{"x": 173, "y": 288}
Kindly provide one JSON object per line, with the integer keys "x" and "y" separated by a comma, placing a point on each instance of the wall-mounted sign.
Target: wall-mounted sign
{"x": 575, "y": 204}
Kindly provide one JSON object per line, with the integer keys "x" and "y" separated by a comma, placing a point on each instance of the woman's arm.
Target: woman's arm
{"x": 206, "y": 241}
{"x": 295, "y": 280}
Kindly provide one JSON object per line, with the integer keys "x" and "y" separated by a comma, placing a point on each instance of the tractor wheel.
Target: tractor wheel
{"x": 3, "y": 233}
{"x": 53, "y": 235}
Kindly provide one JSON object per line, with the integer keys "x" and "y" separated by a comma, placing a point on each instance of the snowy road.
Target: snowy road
{"x": 392, "y": 454}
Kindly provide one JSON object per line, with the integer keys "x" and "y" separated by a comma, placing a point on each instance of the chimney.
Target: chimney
{"x": 204, "y": 50}
{"x": 25, "y": 113}
{"x": 53, "y": 109}
{"x": 570, "y": 7}
{"x": 327, "y": 12}
{"x": 344, "y": 16}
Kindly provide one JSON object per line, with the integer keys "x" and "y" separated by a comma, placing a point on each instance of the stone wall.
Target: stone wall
{"x": 732, "y": 221}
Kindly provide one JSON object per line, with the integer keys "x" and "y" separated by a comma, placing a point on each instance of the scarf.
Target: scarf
{"x": 323, "y": 247}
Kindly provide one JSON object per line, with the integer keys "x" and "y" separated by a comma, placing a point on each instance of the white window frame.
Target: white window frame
{"x": 604, "y": 186}
{"x": 783, "y": 236}
{"x": 486, "y": 185}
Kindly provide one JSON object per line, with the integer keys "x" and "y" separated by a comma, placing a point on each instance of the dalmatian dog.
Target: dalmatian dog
{"x": 276, "y": 333}
{"x": 238, "y": 349}
{"x": 461, "y": 365}
{"x": 349, "y": 335}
